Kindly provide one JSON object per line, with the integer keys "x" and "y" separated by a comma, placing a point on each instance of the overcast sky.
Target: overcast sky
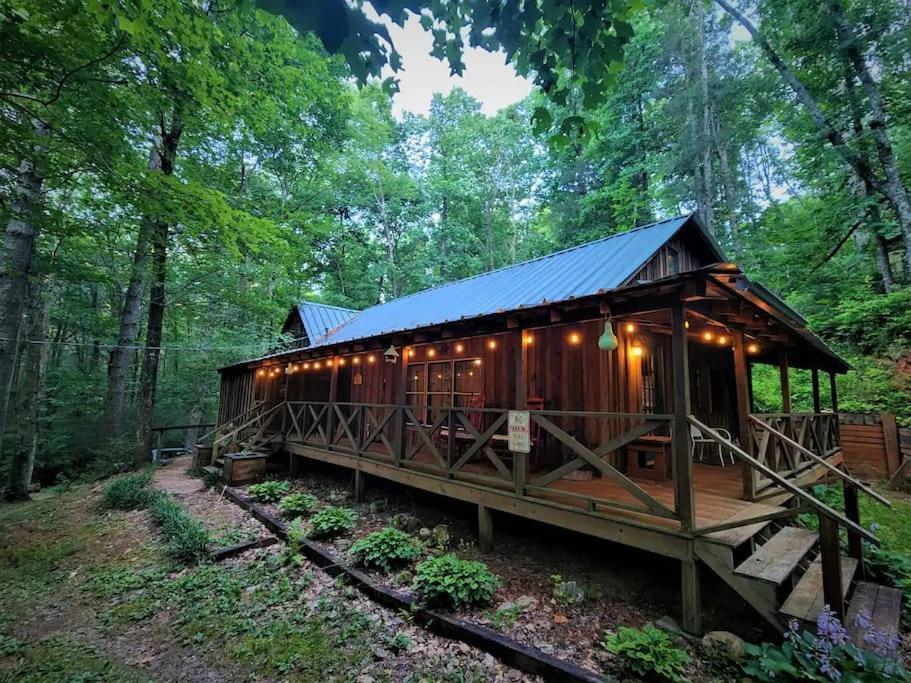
{"x": 487, "y": 77}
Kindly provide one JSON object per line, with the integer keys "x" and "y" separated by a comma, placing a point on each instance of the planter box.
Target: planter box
{"x": 241, "y": 468}
{"x": 203, "y": 455}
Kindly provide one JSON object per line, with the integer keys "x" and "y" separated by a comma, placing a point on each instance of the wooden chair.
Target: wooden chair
{"x": 535, "y": 403}
{"x": 475, "y": 417}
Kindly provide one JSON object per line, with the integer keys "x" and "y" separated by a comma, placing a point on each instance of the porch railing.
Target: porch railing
{"x": 470, "y": 444}
{"x": 790, "y": 444}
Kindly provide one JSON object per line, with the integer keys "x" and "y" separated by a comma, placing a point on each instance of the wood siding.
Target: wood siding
{"x": 677, "y": 256}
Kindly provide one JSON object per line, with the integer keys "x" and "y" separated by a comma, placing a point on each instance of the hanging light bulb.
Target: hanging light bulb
{"x": 637, "y": 348}
{"x": 608, "y": 340}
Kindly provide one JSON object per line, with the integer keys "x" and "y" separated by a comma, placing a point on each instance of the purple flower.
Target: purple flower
{"x": 826, "y": 666}
{"x": 830, "y": 629}
{"x": 863, "y": 619}
{"x": 874, "y": 527}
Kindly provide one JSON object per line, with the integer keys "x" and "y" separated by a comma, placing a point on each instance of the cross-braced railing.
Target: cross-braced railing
{"x": 787, "y": 442}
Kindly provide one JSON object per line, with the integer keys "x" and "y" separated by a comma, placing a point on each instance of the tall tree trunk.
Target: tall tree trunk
{"x": 121, "y": 357}
{"x": 892, "y": 190}
{"x": 148, "y": 378}
{"x": 894, "y": 187}
{"x": 705, "y": 139}
{"x": 23, "y": 461}
{"x": 16, "y": 263}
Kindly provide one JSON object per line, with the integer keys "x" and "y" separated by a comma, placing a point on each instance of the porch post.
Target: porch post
{"x": 521, "y": 365}
{"x": 333, "y": 397}
{"x": 742, "y": 387}
{"x": 401, "y": 397}
{"x": 785, "y": 381}
{"x": 817, "y": 404}
{"x": 833, "y": 391}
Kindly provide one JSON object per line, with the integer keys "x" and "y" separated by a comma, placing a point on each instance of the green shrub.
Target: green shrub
{"x": 131, "y": 492}
{"x": 447, "y": 581}
{"x": 331, "y": 522}
{"x": 385, "y": 550}
{"x": 297, "y": 505}
{"x": 647, "y": 652}
{"x": 828, "y": 654}
{"x": 571, "y": 593}
{"x": 269, "y": 491}
{"x": 188, "y": 540}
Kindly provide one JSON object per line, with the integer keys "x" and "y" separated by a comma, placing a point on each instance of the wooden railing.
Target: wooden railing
{"x": 787, "y": 442}
{"x": 830, "y": 520}
{"x": 470, "y": 444}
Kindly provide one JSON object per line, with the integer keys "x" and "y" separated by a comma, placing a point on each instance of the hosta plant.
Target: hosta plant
{"x": 385, "y": 550}
{"x": 297, "y": 505}
{"x": 269, "y": 491}
{"x": 447, "y": 581}
{"x": 647, "y": 653}
{"x": 331, "y": 522}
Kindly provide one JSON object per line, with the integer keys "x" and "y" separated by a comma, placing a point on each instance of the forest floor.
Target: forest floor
{"x": 90, "y": 594}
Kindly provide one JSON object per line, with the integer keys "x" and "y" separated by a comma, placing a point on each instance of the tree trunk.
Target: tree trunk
{"x": 23, "y": 460}
{"x": 702, "y": 70}
{"x": 121, "y": 357}
{"x": 189, "y": 440}
{"x": 894, "y": 187}
{"x": 16, "y": 263}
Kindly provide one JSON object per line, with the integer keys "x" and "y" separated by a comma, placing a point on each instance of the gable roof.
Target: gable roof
{"x": 319, "y": 319}
{"x": 590, "y": 268}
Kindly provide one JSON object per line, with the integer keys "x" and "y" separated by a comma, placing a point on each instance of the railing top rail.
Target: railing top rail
{"x": 822, "y": 414}
{"x": 825, "y": 463}
{"x": 814, "y": 502}
{"x": 168, "y": 428}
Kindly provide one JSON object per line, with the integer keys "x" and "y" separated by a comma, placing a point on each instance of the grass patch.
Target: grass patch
{"x": 187, "y": 538}
{"x": 60, "y": 658}
{"x": 130, "y": 492}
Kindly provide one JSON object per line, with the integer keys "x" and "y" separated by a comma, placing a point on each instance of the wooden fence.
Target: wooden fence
{"x": 873, "y": 445}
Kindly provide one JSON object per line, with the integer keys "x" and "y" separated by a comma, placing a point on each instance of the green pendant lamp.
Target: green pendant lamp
{"x": 608, "y": 340}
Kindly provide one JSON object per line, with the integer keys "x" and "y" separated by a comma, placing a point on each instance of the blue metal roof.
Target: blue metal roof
{"x": 320, "y": 319}
{"x": 578, "y": 271}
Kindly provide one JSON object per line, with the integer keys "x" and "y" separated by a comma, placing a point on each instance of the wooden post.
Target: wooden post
{"x": 817, "y": 403}
{"x": 852, "y": 512}
{"x": 742, "y": 388}
{"x": 691, "y": 596}
{"x": 830, "y": 556}
{"x": 359, "y": 480}
{"x": 401, "y": 397}
{"x": 833, "y": 392}
{"x": 333, "y": 397}
{"x": 893, "y": 447}
{"x": 520, "y": 472}
{"x": 681, "y": 446}
{"x": 785, "y": 381}
{"x": 159, "y": 443}
{"x": 485, "y": 528}
{"x": 521, "y": 365}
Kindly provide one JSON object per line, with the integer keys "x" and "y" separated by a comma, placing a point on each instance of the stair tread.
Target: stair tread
{"x": 882, "y": 605}
{"x": 777, "y": 558}
{"x": 741, "y": 534}
{"x": 806, "y": 600}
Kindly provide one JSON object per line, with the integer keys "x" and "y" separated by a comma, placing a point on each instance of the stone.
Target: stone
{"x": 546, "y": 648}
{"x": 424, "y": 533}
{"x": 364, "y": 678}
{"x": 406, "y": 522}
{"x": 526, "y": 602}
{"x": 732, "y": 645}
{"x": 441, "y": 535}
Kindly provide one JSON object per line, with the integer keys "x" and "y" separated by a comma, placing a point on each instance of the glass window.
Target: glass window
{"x": 439, "y": 377}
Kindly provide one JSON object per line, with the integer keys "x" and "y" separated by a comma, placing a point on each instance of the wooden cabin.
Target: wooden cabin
{"x": 605, "y": 388}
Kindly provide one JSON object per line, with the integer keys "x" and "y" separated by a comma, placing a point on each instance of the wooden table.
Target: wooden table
{"x": 649, "y": 457}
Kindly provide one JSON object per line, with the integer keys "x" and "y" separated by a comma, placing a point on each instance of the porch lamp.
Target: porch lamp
{"x": 391, "y": 355}
{"x": 608, "y": 340}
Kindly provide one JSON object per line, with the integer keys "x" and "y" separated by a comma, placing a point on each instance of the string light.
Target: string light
{"x": 630, "y": 327}
{"x": 341, "y": 361}
{"x": 316, "y": 365}
{"x": 430, "y": 353}
{"x": 708, "y": 336}
{"x": 575, "y": 338}
{"x": 637, "y": 348}
{"x": 356, "y": 360}
{"x": 722, "y": 340}
{"x": 753, "y": 348}
{"x": 261, "y": 372}
{"x": 411, "y": 353}
{"x": 477, "y": 361}
{"x": 459, "y": 348}
{"x": 529, "y": 339}
{"x": 492, "y": 344}
{"x": 371, "y": 359}
{"x": 686, "y": 324}
{"x": 306, "y": 366}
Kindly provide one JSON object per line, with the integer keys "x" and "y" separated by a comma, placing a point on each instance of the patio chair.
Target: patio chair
{"x": 700, "y": 441}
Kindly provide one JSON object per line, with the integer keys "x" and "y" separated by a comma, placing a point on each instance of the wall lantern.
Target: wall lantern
{"x": 391, "y": 355}
{"x": 637, "y": 349}
{"x": 608, "y": 340}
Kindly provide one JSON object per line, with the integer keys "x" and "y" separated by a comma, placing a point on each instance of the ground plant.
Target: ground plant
{"x": 187, "y": 539}
{"x": 269, "y": 491}
{"x": 129, "y": 492}
{"x": 450, "y": 582}
{"x": 297, "y": 505}
{"x": 648, "y": 653}
{"x": 331, "y": 522}
{"x": 385, "y": 550}
{"x": 827, "y": 654}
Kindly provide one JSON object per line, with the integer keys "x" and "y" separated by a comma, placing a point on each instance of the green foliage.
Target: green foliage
{"x": 572, "y": 592}
{"x": 647, "y": 652}
{"x": 269, "y": 491}
{"x": 400, "y": 642}
{"x": 331, "y": 521}
{"x": 827, "y": 655}
{"x": 447, "y": 581}
{"x": 385, "y": 550}
{"x": 188, "y": 541}
{"x": 504, "y": 616}
{"x": 297, "y": 505}
{"x": 129, "y": 492}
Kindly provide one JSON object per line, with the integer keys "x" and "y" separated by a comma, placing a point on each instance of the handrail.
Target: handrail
{"x": 822, "y": 461}
{"x": 169, "y": 428}
{"x": 246, "y": 424}
{"x": 814, "y": 502}
{"x": 242, "y": 416}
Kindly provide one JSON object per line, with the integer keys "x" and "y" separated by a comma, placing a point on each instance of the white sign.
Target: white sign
{"x": 519, "y": 431}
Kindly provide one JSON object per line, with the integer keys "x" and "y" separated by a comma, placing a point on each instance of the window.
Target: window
{"x": 672, "y": 261}
{"x": 440, "y": 384}
{"x": 648, "y": 384}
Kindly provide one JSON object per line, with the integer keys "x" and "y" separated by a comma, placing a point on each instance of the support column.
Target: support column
{"x": 691, "y": 596}
{"x": 742, "y": 389}
{"x": 521, "y": 365}
{"x": 401, "y": 397}
{"x": 785, "y": 381}
{"x": 833, "y": 392}
{"x": 817, "y": 403}
{"x": 485, "y": 528}
{"x": 360, "y": 479}
{"x": 333, "y": 397}
{"x": 682, "y": 445}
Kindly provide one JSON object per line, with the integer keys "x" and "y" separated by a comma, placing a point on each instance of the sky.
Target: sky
{"x": 487, "y": 77}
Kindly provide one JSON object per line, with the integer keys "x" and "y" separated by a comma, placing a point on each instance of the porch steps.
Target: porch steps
{"x": 882, "y": 605}
{"x": 777, "y": 559}
{"x": 806, "y": 600}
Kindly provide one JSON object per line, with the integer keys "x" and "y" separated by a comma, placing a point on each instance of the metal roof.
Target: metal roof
{"x": 320, "y": 319}
{"x": 587, "y": 269}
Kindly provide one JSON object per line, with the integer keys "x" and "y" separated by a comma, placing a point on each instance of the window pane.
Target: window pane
{"x": 440, "y": 377}
{"x": 467, "y": 377}
{"x": 416, "y": 378}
